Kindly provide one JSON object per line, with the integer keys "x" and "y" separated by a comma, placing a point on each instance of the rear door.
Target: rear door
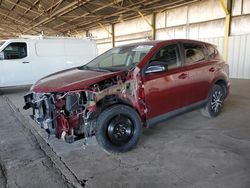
{"x": 164, "y": 92}
{"x": 201, "y": 71}
{"x": 16, "y": 66}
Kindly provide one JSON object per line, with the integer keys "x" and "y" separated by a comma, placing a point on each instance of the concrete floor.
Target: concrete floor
{"x": 23, "y": 163}
{"x": 186, "y": 151}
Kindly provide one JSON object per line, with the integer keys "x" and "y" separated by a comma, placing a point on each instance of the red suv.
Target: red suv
{"x": 128, "y": 87}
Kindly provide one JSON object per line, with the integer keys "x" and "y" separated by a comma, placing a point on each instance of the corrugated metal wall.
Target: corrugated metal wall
{"x": 238, "y": 54}
{"x": 204, "y": 20}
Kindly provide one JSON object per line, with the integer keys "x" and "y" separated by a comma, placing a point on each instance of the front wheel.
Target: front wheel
{"x": 215, "y": 102}
{"x": 118, "y": 128}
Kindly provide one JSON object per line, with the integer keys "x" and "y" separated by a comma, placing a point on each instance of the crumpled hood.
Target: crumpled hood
{"x": 71, "y": 79}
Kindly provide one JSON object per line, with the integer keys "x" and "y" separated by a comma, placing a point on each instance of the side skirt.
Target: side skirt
{"x": 153, "y": 121}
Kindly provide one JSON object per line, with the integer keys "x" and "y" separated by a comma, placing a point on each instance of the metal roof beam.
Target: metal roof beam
{"x": 77, "y": 26}
{"x": 86, "y": 14}
{"x": 58, "y": 12}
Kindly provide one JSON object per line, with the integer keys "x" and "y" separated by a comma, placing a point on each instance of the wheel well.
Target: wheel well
{"x": 223, "y": 84}
{"x": 109, "y": 101}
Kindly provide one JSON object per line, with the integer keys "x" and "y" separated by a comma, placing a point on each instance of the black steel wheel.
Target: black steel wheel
{"x": 118, "y": 128}
{"x": 215, "y": 102}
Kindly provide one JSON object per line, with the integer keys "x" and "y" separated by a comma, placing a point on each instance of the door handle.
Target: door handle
{"x": 212, "y": 69}
{"x": 25, "y": 62}
{"x": 182, "y": 76}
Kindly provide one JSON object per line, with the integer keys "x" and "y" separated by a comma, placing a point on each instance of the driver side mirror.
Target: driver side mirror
{"x": 156, "y": 66}
{"x": 1, "y": 55}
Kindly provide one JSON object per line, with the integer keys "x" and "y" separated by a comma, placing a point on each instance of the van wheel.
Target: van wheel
{"x": 118, "y": 128}
{"x": 215, "y": 102}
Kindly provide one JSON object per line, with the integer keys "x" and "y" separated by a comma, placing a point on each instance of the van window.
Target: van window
{"x": 15, "y": 50}
{"x": 193, "y": 53}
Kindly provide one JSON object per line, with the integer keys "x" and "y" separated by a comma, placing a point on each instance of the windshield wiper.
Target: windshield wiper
{"x": 99, "y": 69}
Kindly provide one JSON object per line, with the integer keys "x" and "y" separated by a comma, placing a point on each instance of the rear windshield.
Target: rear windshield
{"x": 1, "y": 43}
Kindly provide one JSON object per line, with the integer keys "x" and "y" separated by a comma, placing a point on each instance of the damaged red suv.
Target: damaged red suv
{"x": 128, "y": 87}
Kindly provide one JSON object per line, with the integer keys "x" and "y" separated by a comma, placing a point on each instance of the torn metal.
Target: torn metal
{"x": 72, "y": 115}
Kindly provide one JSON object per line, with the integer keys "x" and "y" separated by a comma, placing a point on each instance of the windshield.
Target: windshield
{"x": 119, "y": 58}
{"x": 1, "y": 43}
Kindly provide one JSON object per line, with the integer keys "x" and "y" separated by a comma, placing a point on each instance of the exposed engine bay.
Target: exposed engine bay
{"x": 72, "y": 115}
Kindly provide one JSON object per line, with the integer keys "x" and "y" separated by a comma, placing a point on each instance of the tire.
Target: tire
{"x": 118, "y": 129}
{"x": 215, "y": 102}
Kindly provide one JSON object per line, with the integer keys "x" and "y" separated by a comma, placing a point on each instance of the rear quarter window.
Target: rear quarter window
{"x": 211, "y": 51}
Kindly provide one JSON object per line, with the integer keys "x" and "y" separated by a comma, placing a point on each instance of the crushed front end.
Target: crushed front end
{"x": 72, "y": 115}
{"x": 66, "y": 115}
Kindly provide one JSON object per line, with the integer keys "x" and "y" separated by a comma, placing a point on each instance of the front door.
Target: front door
{"x": 166, "y": 91}
{"x": 15, "y": 66}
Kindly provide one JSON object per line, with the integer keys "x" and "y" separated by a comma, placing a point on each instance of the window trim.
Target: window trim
{"x": 27, "y": 53}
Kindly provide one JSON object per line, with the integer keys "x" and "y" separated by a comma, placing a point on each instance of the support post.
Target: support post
{"x": 153, "y": 26}
{"x": 87, "y": 33}
{"x": 146, "y": 19}
{"x": 113, "y": 35}
{"x": 227, "y": 9}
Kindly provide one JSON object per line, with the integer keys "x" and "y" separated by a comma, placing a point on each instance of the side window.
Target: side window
{"x": 15, "y": 50}
{"x": 168, "y": 55}
{"x": 211, "y": 51}
{"x": 193, "y": 53}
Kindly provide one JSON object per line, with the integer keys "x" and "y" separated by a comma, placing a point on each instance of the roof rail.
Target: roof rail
{"x": 48, "y": 37}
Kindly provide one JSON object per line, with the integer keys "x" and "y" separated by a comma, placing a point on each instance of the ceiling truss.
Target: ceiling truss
{"x": 66, "y": 17}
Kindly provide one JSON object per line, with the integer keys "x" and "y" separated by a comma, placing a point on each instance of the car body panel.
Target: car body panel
{"x": 71, "y": 79}
{"x": 155, "y": 96}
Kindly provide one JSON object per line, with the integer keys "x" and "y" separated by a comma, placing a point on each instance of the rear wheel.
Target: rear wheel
{"x": 215, "y": 102}
{"x": 118, "y": 128}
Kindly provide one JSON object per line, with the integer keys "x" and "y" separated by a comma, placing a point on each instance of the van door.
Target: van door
{"x": 15, "y": 65}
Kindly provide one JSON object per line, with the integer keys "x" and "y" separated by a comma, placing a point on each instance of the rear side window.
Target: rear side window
{"x": 168, "y": 55}
{"x": 211, "y": 51}
{"x": 15, "y": 50}
{"x": 193, "y": 53}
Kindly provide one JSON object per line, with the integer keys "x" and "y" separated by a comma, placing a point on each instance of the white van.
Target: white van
{"x": 24, "y": 61}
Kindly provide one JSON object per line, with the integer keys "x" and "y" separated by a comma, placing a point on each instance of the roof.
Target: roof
{"x": 69, "y": 17}
{"x": 155, "y": 42}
